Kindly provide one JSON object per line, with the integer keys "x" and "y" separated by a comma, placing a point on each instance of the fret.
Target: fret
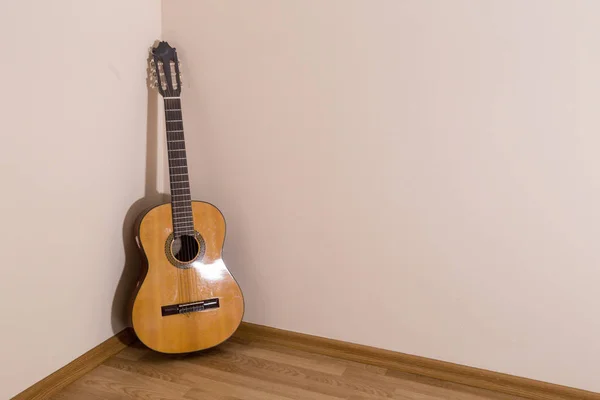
{"x": 176, "y": 146}
{"x": 187, "y": 215}
{"x": 181, "y": 217}
{"x": 183, "y": 230}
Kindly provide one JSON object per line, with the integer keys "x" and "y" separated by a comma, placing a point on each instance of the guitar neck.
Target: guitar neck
{"x": 181, "y": 200}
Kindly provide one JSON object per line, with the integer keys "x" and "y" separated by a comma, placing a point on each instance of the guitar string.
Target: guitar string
{"x": 193, "y": 272}
{"x": 185, "y": 249}
{"x": 187, "y": 244}
{"x": 187, "y": 207}
{"x": 160, "y": 76}
{"x": 176, "y": 235}
{"x": 189, "y": 248}
{"x": 190, "y": 275}
{"x": 189, "y": 283}
{"x": 182, "y": 234}
{"x": 180, "y": 293}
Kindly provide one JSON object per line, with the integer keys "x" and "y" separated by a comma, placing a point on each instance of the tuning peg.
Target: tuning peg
{"x": 152, "y": 62}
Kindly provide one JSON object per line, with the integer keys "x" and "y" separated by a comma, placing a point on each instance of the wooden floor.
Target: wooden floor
{"x": 250, "y": 369}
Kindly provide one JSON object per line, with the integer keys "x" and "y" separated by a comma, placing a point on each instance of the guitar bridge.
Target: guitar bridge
{"x": 186, "y": 308}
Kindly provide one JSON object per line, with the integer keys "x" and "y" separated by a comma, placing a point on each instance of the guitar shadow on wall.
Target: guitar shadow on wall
{"x": 121, "y": 306}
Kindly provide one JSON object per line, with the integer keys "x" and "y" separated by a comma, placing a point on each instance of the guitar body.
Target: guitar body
{"x": 182, "y": 307}
{"x": 186, "y": 300}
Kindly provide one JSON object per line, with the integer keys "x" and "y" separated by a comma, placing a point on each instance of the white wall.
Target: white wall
{"x": 72, "y": 163}
{"x": 421, "y": 176}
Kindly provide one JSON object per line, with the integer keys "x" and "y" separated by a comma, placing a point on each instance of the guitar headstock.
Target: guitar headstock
{"x": 165, "y": 75}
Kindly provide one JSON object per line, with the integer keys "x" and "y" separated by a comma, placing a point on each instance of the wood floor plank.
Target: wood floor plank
{"x": 216, "y": 388}
{"x": 423, "y": 385}
{"x": 328, "y": 384}
{"x": 451, "y": 391}
{"x": 191, "y": 370}
{"x": 250, "y": 382}
{"x": 302, "y": 362}
{"x": 206, "y": 395}
{"x": 133, "y": 352}
{"x": 268, "y": 345}
{"x": 113, "y": 384}
{"x": 174, "y": 373}
{"x": 75, "y": 392}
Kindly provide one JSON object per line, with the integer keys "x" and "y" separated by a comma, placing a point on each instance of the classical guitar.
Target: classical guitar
{"x": 187, "y": 300}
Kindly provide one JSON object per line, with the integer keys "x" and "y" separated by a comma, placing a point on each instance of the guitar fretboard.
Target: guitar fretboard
{"x": 181, "y": 200}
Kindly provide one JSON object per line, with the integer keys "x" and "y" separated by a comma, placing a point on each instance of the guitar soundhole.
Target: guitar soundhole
{"x": 185, "y": 248}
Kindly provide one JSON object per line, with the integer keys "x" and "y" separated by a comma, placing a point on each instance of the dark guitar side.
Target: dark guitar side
{"x": 165, "y": 284}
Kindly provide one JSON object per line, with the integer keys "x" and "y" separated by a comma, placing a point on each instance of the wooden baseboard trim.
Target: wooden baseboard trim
{"x": 58, "y": 380}
{"x": 406, "y": 363}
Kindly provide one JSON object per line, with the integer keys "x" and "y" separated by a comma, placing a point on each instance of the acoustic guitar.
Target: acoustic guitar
{"x": 186, "y": 300}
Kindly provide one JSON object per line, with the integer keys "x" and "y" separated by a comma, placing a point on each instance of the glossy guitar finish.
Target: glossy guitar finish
{"x": 166, "y": 284}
